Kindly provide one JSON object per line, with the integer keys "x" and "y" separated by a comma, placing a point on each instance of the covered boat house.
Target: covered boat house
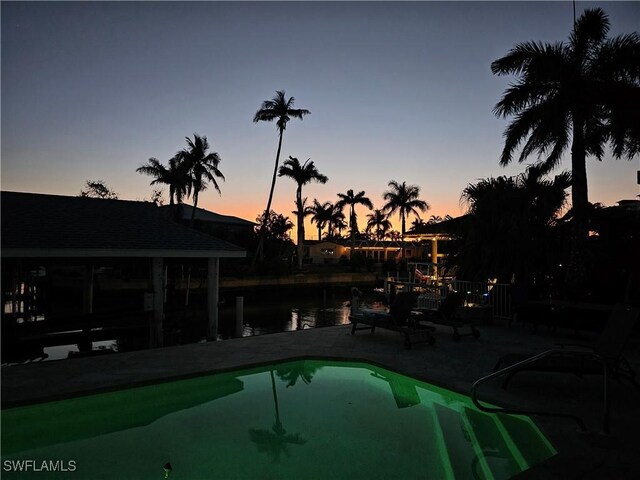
{"x": 74, "y": 264}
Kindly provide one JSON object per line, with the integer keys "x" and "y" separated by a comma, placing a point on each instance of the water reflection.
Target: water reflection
{"x": 292, "y": 372}
{"x": 275, "y": 442}
{"x": 290, "y": 311}
{"x": 404, "y": 392}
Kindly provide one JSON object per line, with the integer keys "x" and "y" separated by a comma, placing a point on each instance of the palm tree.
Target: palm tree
{"x": 335, "y": 220}
{"x": 418, "y": 223}
{"x": 202, "y": 167}
{"x": 281, "y": 110}
{"x": 302, "y": 174}
{"x": 175, "y": 175}
{"x": 509, "y": 229}
{"x": 379, "y": 221}
{"x": 585, "y": 93}
{"x": 394, "y": 236}
{"x": 351, "y": 200}
{"x": 403, "y": 198}
{"x": 434, "y": 219}
{"x": 320, "y": 215}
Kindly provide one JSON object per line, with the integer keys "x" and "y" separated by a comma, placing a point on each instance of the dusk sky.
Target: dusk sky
{"x": 398, "y": 91}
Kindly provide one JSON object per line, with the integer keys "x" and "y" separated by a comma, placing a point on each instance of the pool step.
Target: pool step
{"x": 496, "y": 449}
{"x": 466, "y": 459}
{"x": 510, "y": 444}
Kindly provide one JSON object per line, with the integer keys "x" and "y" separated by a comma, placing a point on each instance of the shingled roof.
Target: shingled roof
{"x": 36, "y": 225}
{"x": 212, "y": 217}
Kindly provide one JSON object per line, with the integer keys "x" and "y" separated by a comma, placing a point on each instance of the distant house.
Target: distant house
{"x": 225, "y": 227}
{"x": 69, "y": 260}
{"x": 324, "y": 252}
{"x": 378, "y": 251}
{"x": 435, "y": 237}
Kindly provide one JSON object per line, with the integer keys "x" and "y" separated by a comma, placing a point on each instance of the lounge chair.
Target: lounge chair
{"x": 584, "y": 359}
{"x": 449, "y": 314}
{"x": 398, "y": 318}
{"x": 605, "y": 357}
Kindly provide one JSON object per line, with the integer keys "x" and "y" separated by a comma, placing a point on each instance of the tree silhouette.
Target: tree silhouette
{"x": 509, "y": 231}
{"x": 336, "y": 220}
{"x": 175, "y": 175}
{"x": 202, "y": 167}
{"x": 275, "y": 442}
{"x": 295, "y": 371}
{"x": 281, "y": 110}
{"x": 350, "y": 200}
{"x": 584, "y": 93}
{"x": 320, "y": 215}
{"x": 98, "y": 189}
{"x": 378, "y": 221}
{"x": 403, "y": 198}
{"x": 302, "y": 174}
{"x": 276, "y": 231}
{"x": 418, "y": 222}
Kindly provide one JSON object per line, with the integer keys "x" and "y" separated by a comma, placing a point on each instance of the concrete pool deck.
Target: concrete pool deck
{"x": 454, "y": 365}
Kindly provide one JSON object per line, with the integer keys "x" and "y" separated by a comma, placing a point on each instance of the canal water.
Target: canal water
{"x": 264, "y": 313}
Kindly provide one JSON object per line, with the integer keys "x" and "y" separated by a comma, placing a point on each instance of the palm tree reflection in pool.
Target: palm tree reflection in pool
{"x": 275, "y": 441}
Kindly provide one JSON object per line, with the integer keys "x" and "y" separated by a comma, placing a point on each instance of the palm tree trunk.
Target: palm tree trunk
{"x": 579, "y": 189}
{"x": 353, "y": 233}
{"x": 195, "y": 204}
{"x": 300, "y": 245}
{"x": 260, "y": 249}
{"x": 576, "y": 274}
{"x": 404, "y": 229}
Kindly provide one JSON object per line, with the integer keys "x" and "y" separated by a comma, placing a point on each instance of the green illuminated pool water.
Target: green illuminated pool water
{"x": 305, "y": 419}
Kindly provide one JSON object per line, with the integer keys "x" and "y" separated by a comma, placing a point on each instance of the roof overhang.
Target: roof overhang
{"x": 117, "y": 253}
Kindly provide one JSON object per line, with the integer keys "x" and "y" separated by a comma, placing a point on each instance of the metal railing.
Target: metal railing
{"x": 524, "y": 363}
{"x": 498, "y": 295}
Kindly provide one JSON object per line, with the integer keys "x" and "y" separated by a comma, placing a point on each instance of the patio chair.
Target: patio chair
{"x": 449, "y": 314}
{"x": 604, "y": 354}
{"x": 399, "y": 318}
{"x": 604, "y": 357}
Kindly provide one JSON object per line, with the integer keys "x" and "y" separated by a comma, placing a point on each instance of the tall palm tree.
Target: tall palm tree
{"x": 281, "y": 110}
{"x": 403, "y": 198}
{"x": 202, "y": 167}
{"x": 320, "y": 215}
{"x": 378, "y": 221}
{"x": 584, "y": 93}
{"x": 351, "y": 200}
{"x": 302, "y": 174}
{"x": 175, "y": 176}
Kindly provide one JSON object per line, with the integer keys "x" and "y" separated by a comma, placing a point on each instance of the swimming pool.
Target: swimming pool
{"x": 304, "y": 419}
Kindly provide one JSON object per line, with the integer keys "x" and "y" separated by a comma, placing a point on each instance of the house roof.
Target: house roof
{"x": 212, "y": 217}
{"x": 37, "y": 225}
{"x": 452, "y": 226}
